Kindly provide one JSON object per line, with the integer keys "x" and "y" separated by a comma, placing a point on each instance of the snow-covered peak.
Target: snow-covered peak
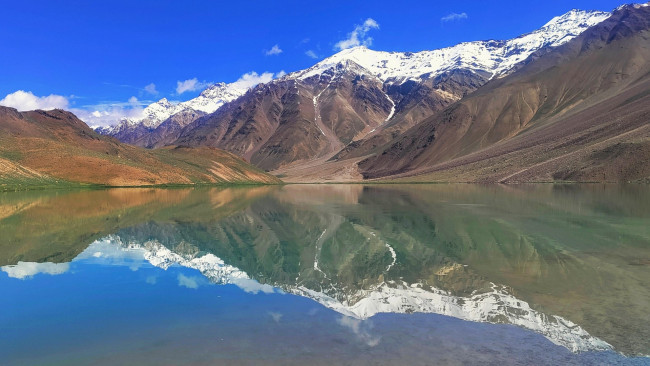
{"x": 214, "y": 90}
{"x": 493, "y": 57}
{"x": 210, "y": 99}
{"x": 156, "y": 113}
{"x": 635, "y": 6}
{"x": 214, "y": 97}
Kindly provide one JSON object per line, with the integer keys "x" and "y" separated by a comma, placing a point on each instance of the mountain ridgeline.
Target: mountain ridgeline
{"x": 567, "y": 102}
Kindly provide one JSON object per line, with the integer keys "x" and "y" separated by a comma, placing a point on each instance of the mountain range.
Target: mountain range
{"x": 566, "y": 102}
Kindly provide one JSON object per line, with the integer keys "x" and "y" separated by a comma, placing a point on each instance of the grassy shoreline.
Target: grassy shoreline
{"x": 22, "y": 187}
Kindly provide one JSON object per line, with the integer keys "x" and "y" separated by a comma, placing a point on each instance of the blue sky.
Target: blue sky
{"x": 91, "y": 55}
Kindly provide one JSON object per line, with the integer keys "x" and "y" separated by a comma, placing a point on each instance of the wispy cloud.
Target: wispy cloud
{"x": 311, "y": 54}
{"x": 110, "y": 112}
{"x": 24, "y": 270}
{"x": 252, "y": 286}
{"x": 27, "y": 101}
{"x": 358, "y": 37}
{"x": 190, "y": 85}
{"x": 252, "y": 78}
{"x": 275, "y": 316}
{"x": 151, "y": 89}
{"x": 275, "y": 50}
{"x": 360, "y": 330}
{"x": 189, "y": 282}
{"x": 453, "y": 17}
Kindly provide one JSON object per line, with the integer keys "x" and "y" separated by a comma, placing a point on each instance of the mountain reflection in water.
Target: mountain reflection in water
{"x": 567, "y": 262}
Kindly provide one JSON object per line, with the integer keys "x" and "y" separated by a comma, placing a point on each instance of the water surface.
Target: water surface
{"x": 352, "y": 274}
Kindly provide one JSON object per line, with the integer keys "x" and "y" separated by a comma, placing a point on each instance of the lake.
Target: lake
{"x": 327, "y": 274}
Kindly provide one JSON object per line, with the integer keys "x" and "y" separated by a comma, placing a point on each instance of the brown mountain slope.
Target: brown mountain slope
{"x": 297, "y": 122}
{"x": 559, "y": 117}
{"x": 55, "y": 147}
{"x": 287, "y": 121}
{"x": 416, "y": 101}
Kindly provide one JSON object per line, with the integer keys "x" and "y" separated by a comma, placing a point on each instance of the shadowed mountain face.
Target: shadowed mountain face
{"x": 561, "y": 260}
{"x": 580, "y": 112}
{"x": 52, "y": 148}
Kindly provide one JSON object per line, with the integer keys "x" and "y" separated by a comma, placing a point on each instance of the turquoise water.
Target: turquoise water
{"x": 327, "y": 274}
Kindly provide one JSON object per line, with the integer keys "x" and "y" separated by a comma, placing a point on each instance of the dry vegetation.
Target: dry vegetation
{"x": 55, "y": 148}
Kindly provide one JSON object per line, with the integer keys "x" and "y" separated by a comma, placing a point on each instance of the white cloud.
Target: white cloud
{"x": 357, "y": 327}
{"x": 152, "y": 280}
{"x": 275, "y": 50}
{"x": 275, "y": 316}
{"x": 24, "y": 270}
{"x": 190, "y": 85}
{"x": 189, "y": 282}
{"x": 108, "y": 113}
{"x": 151, "y": 89}
{"x": 27, "y": 101}
{"x": 453, "y": 16}
{"x": 252, "y": 78}
{"x": 280, "y": 74}
{"x": 358, "y": 36}
{"x": 311, "y": 54}
{"x": 252, "y": 286}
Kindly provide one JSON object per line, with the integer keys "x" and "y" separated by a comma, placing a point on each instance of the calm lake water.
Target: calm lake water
{"x": 327, "y": 274}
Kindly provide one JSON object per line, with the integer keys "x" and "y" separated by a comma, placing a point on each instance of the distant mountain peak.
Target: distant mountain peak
{"x": 156, "y": 113}
{"x": 633, "y": 5}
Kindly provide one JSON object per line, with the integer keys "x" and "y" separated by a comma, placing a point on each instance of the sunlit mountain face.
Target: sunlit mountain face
{"x": 566, "y": 265}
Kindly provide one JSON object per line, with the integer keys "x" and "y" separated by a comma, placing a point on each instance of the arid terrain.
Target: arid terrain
{"x": 42, "y": 148}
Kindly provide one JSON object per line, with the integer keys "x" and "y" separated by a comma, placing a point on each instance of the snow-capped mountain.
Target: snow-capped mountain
{"x": 351, "y": 103}
{"x": 493, "y": 57}
{"x": 359, "y": 99}
{"x": 156, "y": 113}
{"x": 215, "y": 96}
